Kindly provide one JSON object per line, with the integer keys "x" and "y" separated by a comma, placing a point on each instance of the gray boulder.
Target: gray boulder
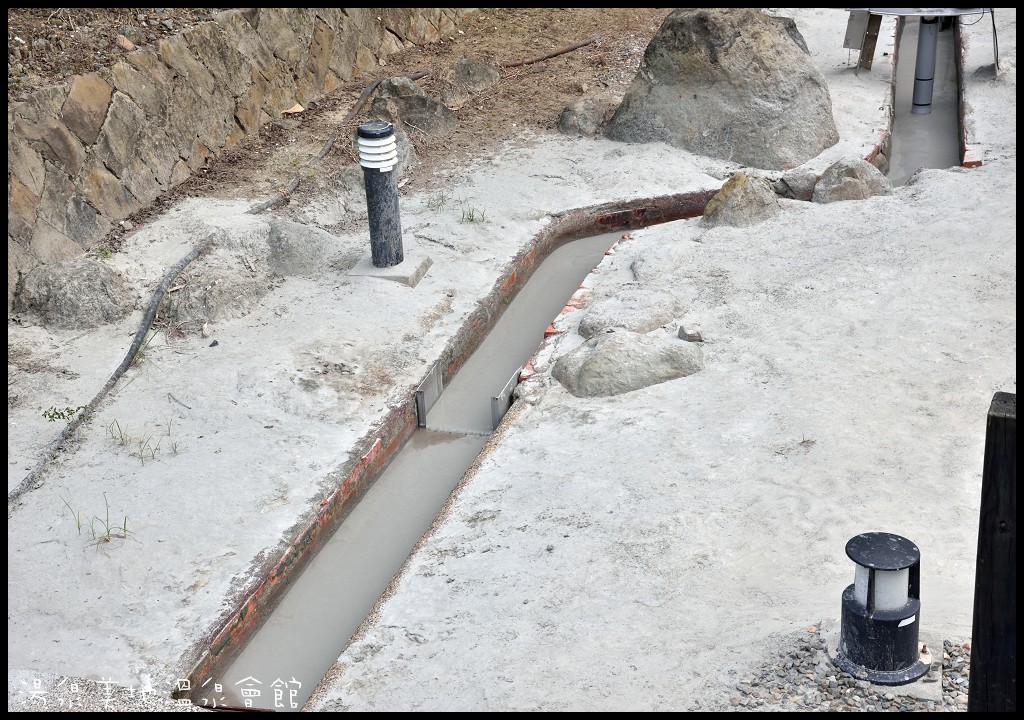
{"x": 399, "y": 87}
{"x": 637, "y": 309}
{"x": 744, "y": 200}
{"x": 796, "y": 184}
{"x": 881, "y": 161}
{"x": 850, "y": 179}
{"x": 297, "y": 249}
{"x": 464, "y": 79}
{"x": 619, "y": 362}
{"x": 730, "y": 83}
{"x": 82, "y": 292}
{"x": 586, "y": 117}
{"x": 418, "y": 112}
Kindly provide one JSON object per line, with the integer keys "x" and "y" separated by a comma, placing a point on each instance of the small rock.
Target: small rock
{"x": 691, "y": 333}
{"x": 214, "y": 344}
{"x": 124, "y": 43}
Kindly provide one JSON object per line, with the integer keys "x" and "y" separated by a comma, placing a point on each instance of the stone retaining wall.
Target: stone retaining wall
{"x": 93, "y": 150}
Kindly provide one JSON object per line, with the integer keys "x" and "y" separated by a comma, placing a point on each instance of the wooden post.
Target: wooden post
{"x": 867, "y": 51}
{"x": 994, "y": 637}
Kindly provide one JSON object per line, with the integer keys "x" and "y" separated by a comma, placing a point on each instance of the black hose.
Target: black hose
{"x": 89, "y": 411}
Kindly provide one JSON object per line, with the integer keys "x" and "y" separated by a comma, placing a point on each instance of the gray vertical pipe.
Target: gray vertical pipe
{"x": 378, "y": 156}
{"x": 924, "y": 72}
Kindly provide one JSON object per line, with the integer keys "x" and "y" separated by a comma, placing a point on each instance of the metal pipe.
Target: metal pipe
{"x": 924, "y": 73}
{"x": 378, "y": 155}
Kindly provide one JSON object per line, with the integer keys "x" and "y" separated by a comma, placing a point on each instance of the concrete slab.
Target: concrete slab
{"x": 408, "y": 272}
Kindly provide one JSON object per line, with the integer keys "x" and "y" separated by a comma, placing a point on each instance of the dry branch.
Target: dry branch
{"x": 553, "y": 53}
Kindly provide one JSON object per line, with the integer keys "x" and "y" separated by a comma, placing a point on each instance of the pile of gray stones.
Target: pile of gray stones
{"x": 802, "y": 678}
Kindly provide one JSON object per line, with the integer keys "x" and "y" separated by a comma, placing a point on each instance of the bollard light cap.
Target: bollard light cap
{"x": 376, "y": 130}
{"x": 882, "y": 551}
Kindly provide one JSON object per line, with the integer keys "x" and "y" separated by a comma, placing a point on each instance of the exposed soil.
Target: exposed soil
{"x": 47, "y": 44}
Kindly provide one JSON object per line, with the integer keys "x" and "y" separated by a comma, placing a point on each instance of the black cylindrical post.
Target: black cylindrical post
{"x": 378, "y": 155}
{"x": 881, "y": 611}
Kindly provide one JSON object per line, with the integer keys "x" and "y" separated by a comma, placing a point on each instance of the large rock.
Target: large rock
{"x": 850, "y": 179}
{"x": 797, "y": 184}
{"x": 77, "y": 293}
{"x": 465, "y": 79}
{"x": 637, "y": 309}
{"x": 297, "y": 249}
{"x": 730, "y": 83}
{"x": 419, "y": 112}
{"x": 743, "y": 201}
{"x": 619, "y": 362}
{"x": 585, "y": 117}
{"x": 399, "y": 87}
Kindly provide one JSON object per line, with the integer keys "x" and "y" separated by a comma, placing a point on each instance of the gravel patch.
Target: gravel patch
{"x": 801, "y": 678}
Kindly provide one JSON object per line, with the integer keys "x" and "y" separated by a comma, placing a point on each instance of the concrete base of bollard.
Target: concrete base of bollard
{"x": 408, "y": 272}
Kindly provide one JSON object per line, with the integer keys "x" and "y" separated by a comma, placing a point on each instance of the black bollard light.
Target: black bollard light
{"x": 881, "y": 612}
{"x": 378, "y": 155}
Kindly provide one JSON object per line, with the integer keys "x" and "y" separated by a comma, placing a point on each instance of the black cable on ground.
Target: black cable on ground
{"x": 30, "y": 480}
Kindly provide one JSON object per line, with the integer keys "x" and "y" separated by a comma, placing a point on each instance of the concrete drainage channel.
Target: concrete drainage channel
{"x": 927, "y": 128}
{"x": 295, "y": 624}
{"x": 312, "y": 598}
{"x": 926, "y": 121}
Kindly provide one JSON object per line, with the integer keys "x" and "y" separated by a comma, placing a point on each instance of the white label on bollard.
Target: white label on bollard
{"x": 908, "y": 621}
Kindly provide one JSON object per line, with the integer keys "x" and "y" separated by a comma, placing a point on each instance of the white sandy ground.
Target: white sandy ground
{"x": 633, "y": 552}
